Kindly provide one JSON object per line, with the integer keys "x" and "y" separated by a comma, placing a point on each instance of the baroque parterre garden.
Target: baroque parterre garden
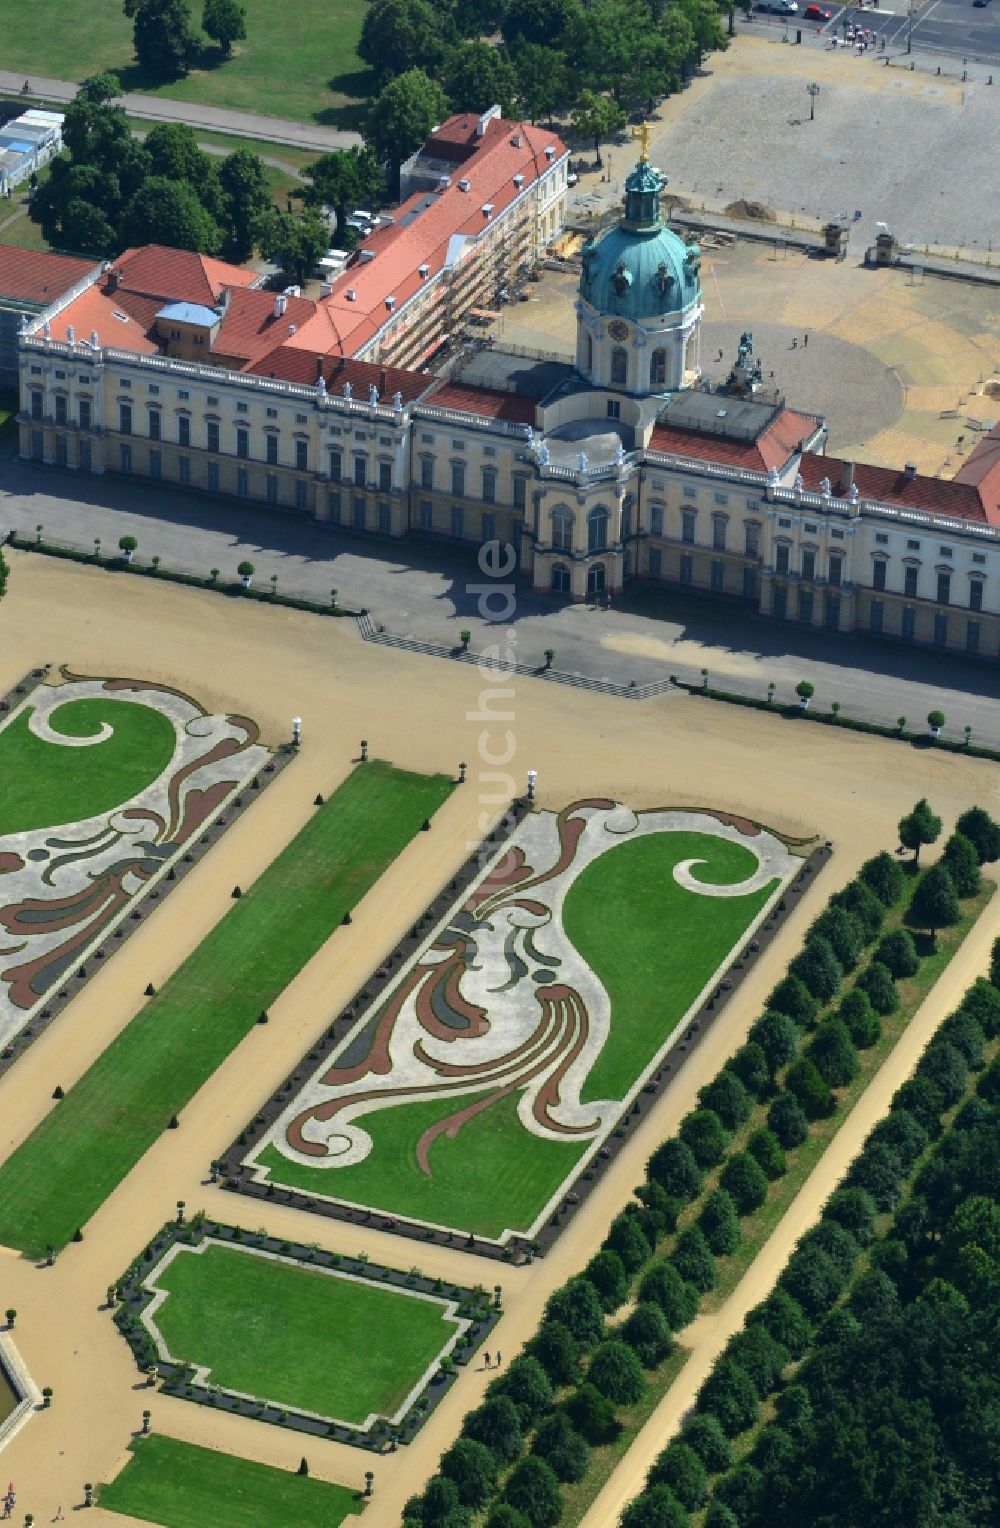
{"x": 106, "y": 784}
{"x": 514, "y": 1038}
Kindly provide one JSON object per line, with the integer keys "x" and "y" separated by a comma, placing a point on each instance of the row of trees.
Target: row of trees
{"x": 552, "y": 50}
{"x": 166, "y": 41}
{"x": 880, "y": 1401}
{"x": 110, "y": 191}
{"x": 798, "y": 1054}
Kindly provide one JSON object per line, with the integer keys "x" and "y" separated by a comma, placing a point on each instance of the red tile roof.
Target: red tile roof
{"x": 178, "y": 275}
{"x": 774, "y": 447}
{"x": 121, "y": 319}
{"x": 483, "y": 400}
{"x": 296, "y": 365}
{"x": 889, "y": 485}
{"x": 28, "y": 275}
{"x": 981, "y": 468}
{"x": 434, "y": 219}
{"x": 251, "y": 328}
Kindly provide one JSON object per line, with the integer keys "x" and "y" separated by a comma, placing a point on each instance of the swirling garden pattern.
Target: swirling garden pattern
{"x": 112, "y": 779}
{"x": 502, "y": 1033}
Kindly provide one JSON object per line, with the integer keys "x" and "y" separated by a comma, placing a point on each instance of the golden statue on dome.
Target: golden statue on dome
{"x": 641, "y": 135}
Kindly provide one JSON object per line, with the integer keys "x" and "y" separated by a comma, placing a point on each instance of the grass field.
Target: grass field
{"x": 179, "y": 1485}
{"x": 45, "y": 784}
{"x": 309, "y": 70}
{"x": 300, "y": 1338}
{"x": 72, "y": 1161}
{"x": 654, "y": 945}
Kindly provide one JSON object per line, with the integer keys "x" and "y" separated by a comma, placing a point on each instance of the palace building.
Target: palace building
{"x": 617, "y": 466}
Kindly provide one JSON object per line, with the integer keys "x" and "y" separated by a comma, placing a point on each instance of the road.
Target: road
{"x": 948, "y": 28}
{"x": 216, "y": 119}
{"x": 429, "y": 590}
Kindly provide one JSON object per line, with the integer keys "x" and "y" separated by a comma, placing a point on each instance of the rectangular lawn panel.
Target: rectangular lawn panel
{"x": 44, "y": 785}
{"x": 178, "y": 1485}
{"x": 74, "y": 1159}
{"x": 303, "y": 1339}
{"x": 502, "y": 1084}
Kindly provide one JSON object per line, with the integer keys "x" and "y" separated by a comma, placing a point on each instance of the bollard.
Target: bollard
{"x": 532, "y": 783}
{"x": 364, "y": 750}
{"x": 462, "y": 771}
{"x": 369, "y": 1482}
{"x": 296, "y": 731}
{"x": 146, "y": 1419}
{"x": 88, "y": 1495}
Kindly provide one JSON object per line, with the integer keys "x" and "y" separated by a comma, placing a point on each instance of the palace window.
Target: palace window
{"x": 658, "y": 367}
{"x": 597, "y": 529}
{"x": 619, "y": 366}
{"x": 562, "y": 530}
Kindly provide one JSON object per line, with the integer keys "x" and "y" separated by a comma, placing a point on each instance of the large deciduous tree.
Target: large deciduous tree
{"x": 403, "y": 116}
{"x": 919, "y": 827}
{"x": 293, "y": 242}
{"x": 477, "y": 77}
{"x": 169, "y": 212}
{"x": 596, "y": 118}
{"x": 225, "y": 21}
{"x": 166, "y": 43}
{"x": 399, "y": 35}
{"x": 346, "y": 178}
{"x": 247, "y": 202}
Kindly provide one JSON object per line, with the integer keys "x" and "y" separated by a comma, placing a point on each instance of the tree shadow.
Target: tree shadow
{"x": 358, "y": 86}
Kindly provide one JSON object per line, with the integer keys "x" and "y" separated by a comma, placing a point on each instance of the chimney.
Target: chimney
{"x": 516, "y": 141}
{"x": 423, "y": 271}
{"x": 910, "y": 471}
{"x": 382, "y": 380}
{"x": 114, "y": 279}
{"x": 319, "y": 367}
{"x": 280, "y": 304}
{"x": 846, "y": 477}
{"x": 351, "y": 294}
{"x": 325, "y": 288}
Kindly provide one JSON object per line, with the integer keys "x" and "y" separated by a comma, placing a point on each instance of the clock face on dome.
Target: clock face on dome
{"x": 617, "y": 330}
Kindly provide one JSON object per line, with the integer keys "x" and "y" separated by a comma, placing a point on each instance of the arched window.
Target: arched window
{"x": 597, "y": 529}
{"x": 560, "y": 578}
{"x": 562, "y": 529}
{"x": 619, "y": 366}
{"x": 596, "y": 579}
{"x": 658, "y": 367}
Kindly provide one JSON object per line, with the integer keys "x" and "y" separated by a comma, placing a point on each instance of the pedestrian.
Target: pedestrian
{"x": 498, "y": 1360}
{"x": 59, "y": 1516}
{"x": 805, "y": 342}
{"x": 795, "y": 342}
{"x": 487, "y": 1357}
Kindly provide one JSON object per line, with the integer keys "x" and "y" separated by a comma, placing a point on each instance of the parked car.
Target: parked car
{"x": 782, "y": 7}
{"x": 819, "y": 13}
{"x": 980, "y": 4}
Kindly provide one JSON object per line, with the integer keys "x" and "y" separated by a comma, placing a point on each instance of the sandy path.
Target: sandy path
{"x": 425, "y": 714}
{"x": 707, "y": 1335}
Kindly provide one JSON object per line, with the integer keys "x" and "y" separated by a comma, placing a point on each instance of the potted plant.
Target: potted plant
{"x": 127, "y": 546}
{"x": 935, "y": 721}
{"x": 246, "y": 570}
{"x": 465, "y": 637}
{"x": 550, "y": 653}
{"x": 805, "y": 691}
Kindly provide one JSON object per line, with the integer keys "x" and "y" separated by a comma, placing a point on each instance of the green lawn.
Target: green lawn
{"x": 303, "y": 66}
{"x": 298, "y": 1337}
{"x": 178, "y": 1485}
{"x": 45, "y": 784}
{"x": 73, "y": 1160}
{"x": 654, "y": 946}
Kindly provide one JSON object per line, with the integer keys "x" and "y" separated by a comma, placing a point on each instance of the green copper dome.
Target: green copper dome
{"x": 639, "y": 269}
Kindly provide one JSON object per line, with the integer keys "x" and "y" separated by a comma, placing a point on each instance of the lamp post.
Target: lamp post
{"x": 909, "y": 29}
{"x": 813, "y": 91}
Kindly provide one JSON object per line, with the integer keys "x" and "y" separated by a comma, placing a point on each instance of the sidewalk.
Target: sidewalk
{"x": 215, "y": 119}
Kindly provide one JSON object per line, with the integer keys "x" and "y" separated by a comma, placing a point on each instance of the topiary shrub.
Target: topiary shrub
{"x": 743, "y": 1178}
{"x": 750, "y": 1066}
{"x": 804, "y": 1081}
{"x": 885, "y": 877}
{"x": 647, "y": 1333}
{"x": 818, "y": 967}
{"x": 705, "y": 1135}
{"x": 591, "y": 1414}
{"x": 703, "y": 1435}
{"x": 862, "y": 1022}
{"x": 564, "y": 1450}
{"x": 792, "y": 997}
{"x": 728, "y": 1098}
{"x": 787, "y": 1119}
{"x": 616, "y": 1372}
{"x": 693, "y": 1260}
{"x": 778, "y": 1037}
{"x": 765, "y": 1148}
{"x": 729, "y": 1395}
{"x": 880, "y": 989}
{"x": 720, "y": 1223}
{"x": 674, "y": 1168}
{"x": 680, "y": 1468}
{"x": 606, "y": 1272}
{"x": 662, "y": 1285}
{"x": 898, "y": 952}
{"x": 832, "y": 1052}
